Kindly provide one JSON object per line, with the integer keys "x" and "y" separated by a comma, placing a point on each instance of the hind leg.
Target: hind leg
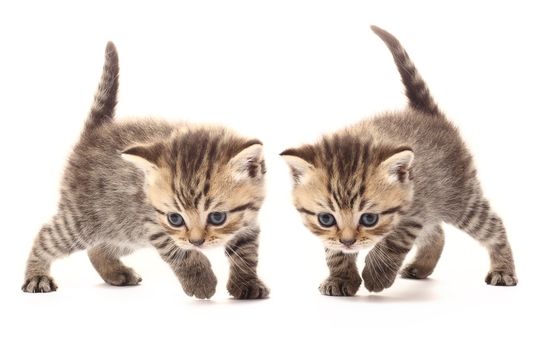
{"x": 480, "y": 222}
{"x": 430, "y": 246}
{"x": 55, "y": 240}
{"x": 105, "y": 259}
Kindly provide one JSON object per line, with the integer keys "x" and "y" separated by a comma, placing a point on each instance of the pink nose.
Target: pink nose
{"x": 348, "y": 242}
{"x": 198, "y": 242}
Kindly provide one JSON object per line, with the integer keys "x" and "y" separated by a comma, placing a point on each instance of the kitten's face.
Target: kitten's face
{"x": 205, "y": 186}
{"x": 349, "y": 194}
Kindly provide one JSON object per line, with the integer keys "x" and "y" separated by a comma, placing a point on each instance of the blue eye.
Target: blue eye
{"x": 326, "y": 219}
{"x": 217, "y": 218}
{"x": 369, "y": 219}
{"x": 175, "y": 219}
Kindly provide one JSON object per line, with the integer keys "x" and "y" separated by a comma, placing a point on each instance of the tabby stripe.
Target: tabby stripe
{"x": 501, "y": 246}
{"x": 159, "y": 211}
{"x": 57, "y": 237}
{"x": 197, "y": 200}
{"x": 362, "y": 188}
{"x": 327, "y": 154}
{"x": 175, "y": 254}
{"x": 316, "y": 230}
{"x": 467, "y": 218}
{"x": 408, "y": 233}
{"x": 244, "y": 207}
{"x": 156, "y": 236}
{"x": 150, "y": 220}
{"x": 169, "y": 251}
{"x": 330, "y": 204}
{"x": 491, "y": 229}
{"x": 178, "y": 202}
{"x": 365, "y": 161}
{"x": 353, "y": 199}
{"x": 206, "y": 188}
{"x": 71, "y": 227}
{"x": 413, "y": 224}
{"x": 75, "y": 215}
{"x": 70, "y": 240}
{"x": 71, "y": 236}
{"x": 208, "y": 201}
{"x": 390, "y": 211}
{"x": 40, "y": 251}
{"x": 163, "y": 244}
{"x": 242, "y": 241}
{"x": 211, "y": 154}
{"x": 41, "y": 240}
{"x": 395, "y": 248}
{"x": 336, "y": 198}
{"x": 305, "y": 211}
{"x": 483, "y": 216}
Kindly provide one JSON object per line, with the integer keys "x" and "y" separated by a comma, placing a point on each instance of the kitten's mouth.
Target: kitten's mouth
{"x": 354, "y": 248}
{"x": 351, "y": 249}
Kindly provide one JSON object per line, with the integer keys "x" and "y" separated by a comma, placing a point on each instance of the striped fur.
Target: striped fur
{"x": 105, "y": 99}
{"x": 124, "y": 177}
{"x": 410, "y": 167}
{"x": 243, "y": 282}
{"x": 344, "y": 279}
{"x": 417, "y": 91}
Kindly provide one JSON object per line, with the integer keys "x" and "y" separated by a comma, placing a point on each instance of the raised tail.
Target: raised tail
{"x": 105, "y": 100}
{"x": 417, "y": 91}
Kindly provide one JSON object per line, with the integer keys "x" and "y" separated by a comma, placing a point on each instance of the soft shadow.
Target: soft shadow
{"x": 111, "y": 287}
{"x": 202, "y": 302}
{"x": 229, "y": 300}
{"x": 232, "y": 300}
{"x": 403, "y": 290}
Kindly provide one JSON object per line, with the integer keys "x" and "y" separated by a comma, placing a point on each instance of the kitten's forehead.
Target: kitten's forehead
{"x": 345, "y": 161}
{"x": 198, "y": 161}
{"x": 345, "y": 166}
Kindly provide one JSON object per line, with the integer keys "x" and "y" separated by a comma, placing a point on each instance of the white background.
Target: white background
{"x": 284, "y": 72}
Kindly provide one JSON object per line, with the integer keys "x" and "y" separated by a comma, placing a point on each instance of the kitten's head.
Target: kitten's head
{"x": 350, "y": 192}
{"x": 205, "y": 184}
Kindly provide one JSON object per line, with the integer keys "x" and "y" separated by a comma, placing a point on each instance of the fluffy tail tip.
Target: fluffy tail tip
{"x": 111, "y": 52}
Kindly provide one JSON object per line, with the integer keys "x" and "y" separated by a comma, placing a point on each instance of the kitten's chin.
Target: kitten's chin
{"x": 352, "y": 249}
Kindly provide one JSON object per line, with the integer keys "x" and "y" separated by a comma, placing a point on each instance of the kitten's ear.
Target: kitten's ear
{"x": 300, "y": 161}
{"x": 397, "y": 166}
{"x": 248, "y": 163}
{"x": 144, "y": 157}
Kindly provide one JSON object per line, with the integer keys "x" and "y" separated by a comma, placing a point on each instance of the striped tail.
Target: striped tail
{"x": 417, "y": 92}
{"x": 105, "y": 100}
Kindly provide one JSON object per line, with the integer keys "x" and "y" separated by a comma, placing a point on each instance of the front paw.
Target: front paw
{"x": 39, "y": 284}
{"x": 340, "y": 286}
{"x": 501, "y": 278}
{"x": 199, "y": 282}
{"x": 122, "y": 276}
{"x": 378, "y": 276}
{"x": 247, "y": 289}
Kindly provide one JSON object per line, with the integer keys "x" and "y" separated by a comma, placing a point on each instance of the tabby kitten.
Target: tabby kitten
{"x": 388, "y": 183}
{"x": 174, "y": 186}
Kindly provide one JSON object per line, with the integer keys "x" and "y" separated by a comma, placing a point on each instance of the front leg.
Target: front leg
{"x": 344, "y": 279}
{"x": 191, "y": 267}
{"x": 385, "y": 259}
{"x": 242, "y": 255}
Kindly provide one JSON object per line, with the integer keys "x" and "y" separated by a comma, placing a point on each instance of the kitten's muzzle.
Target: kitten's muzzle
{"x": 347, "y": 242}
{"x": 197, "y": 242}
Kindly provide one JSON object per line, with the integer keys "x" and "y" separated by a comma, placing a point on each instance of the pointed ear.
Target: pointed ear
{"x": 300, "y": 161}
{"x": 145, "y": 157}
{"x": 397, "y": 167}
{"x": 248, "y": 163}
